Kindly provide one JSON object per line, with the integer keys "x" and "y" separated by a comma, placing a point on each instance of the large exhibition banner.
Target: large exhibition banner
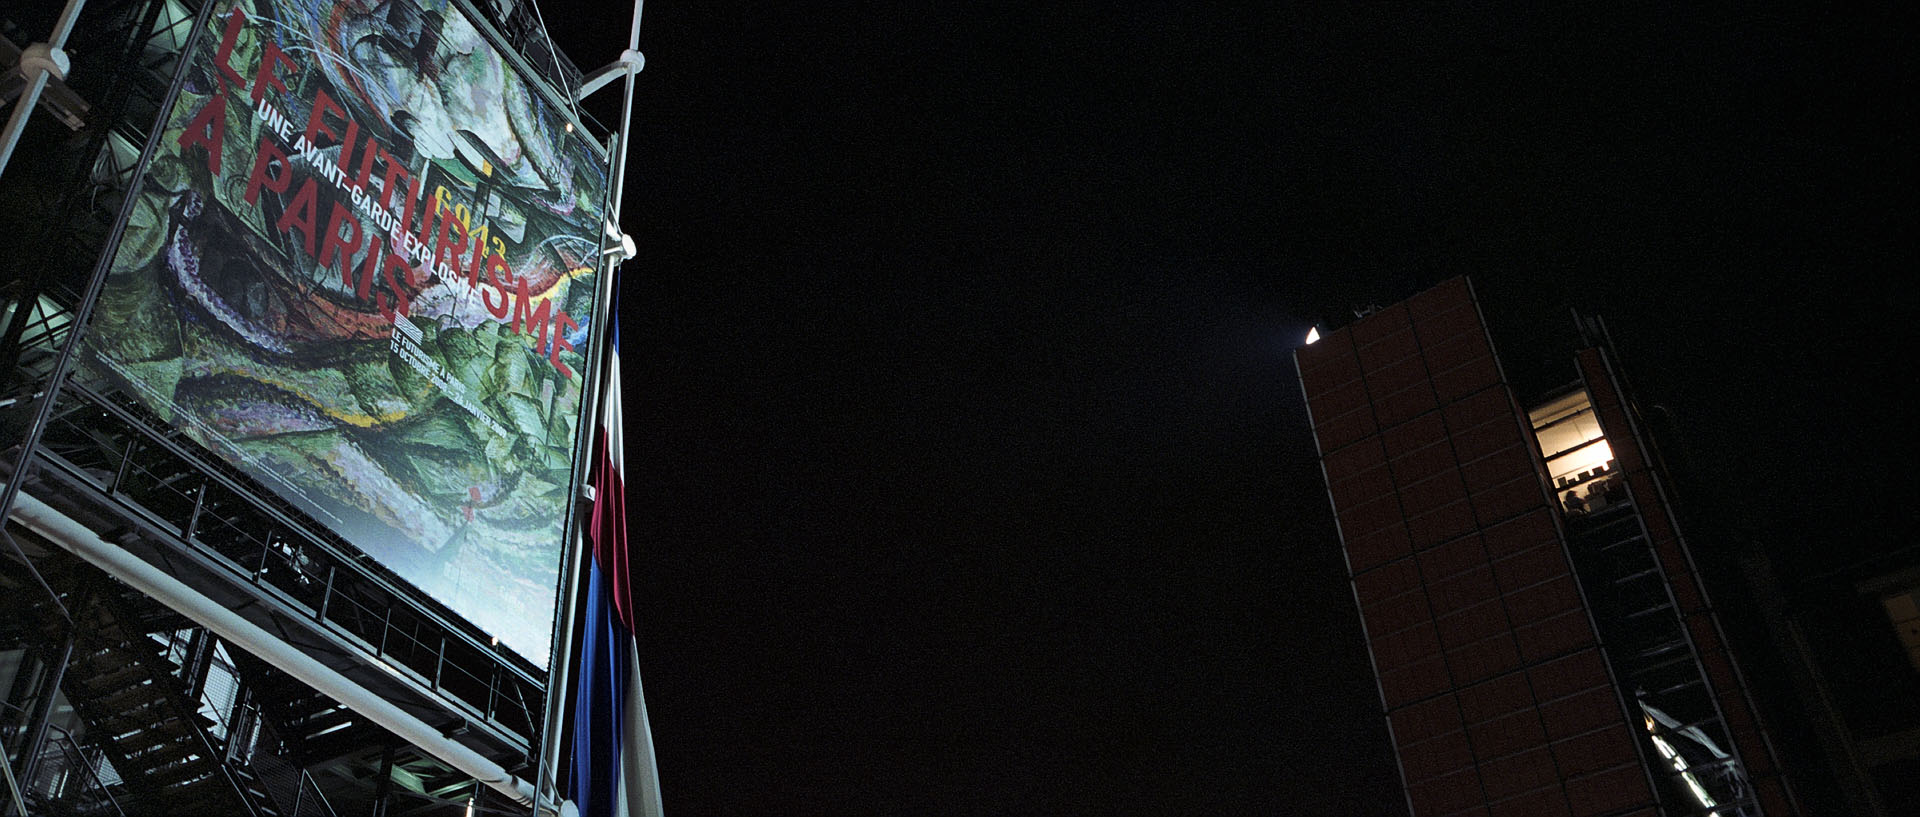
{"x": 361, "y": 268}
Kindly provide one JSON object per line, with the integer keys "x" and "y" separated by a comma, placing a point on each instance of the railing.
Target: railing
{"x": 145, "y": 467}
{"x": 292, "y": 788}
{"x": 66, "y": 779}
{"x": 69, "y": 774}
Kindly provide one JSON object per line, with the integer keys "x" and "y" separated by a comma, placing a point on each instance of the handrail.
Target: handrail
{"x": 269, "y": 762}
{"x": 71, "y": 746}
{"x": 86, "y": 543}
{"x": 186, "y": 710}
{"x": 324, "y": 598}
{"x": 13, "y": 789}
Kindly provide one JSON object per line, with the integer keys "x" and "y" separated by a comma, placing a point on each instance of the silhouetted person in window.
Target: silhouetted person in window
{"x": 1575, "y": 505}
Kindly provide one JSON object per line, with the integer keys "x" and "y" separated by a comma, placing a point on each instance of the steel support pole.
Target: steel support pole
{"x": 55, "y": 379}
{"x": 43, "y": 712}
{"x": 546, "y": 769}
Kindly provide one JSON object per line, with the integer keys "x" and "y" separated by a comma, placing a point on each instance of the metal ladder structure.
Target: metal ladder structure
{"x": 1655, "y": 658}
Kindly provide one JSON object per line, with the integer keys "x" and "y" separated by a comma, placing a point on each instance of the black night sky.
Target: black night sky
{"x": 966, "y": 457}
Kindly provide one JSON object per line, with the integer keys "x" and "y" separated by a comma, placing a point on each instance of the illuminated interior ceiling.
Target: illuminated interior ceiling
{"x": 1570, "y": 440}
{"x": 1903, "y": 610}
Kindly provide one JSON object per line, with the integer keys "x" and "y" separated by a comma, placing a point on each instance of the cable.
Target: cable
{"x": 553, "y": 55}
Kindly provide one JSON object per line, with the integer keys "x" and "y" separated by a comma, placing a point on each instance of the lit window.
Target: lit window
{"x": 1579, "y": 461}
{"x": 1904, "y": 610}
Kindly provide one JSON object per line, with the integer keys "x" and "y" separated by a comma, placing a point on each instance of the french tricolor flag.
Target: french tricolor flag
{"x": 613, "y": 770}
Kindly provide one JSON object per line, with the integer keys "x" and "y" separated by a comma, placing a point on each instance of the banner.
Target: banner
{"x": 361, "y": 268}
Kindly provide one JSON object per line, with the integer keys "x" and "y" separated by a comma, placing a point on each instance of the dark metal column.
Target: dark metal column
{"x": 36, "y": 731}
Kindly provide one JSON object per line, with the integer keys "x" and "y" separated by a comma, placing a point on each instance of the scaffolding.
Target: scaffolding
{"x": 112, "y": 698}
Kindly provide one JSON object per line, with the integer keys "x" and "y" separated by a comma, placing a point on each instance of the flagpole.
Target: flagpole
{"x": 558, "y": 686}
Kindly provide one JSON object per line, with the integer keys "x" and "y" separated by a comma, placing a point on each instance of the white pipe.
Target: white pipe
{"x": 115, "y": 560}
{"x": 37, "y": 71}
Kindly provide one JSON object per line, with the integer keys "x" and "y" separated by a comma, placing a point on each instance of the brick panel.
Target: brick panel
{"x": 1754, "y": 752}
{"x": 1337, "y": 400}
{"x": 1438, "y": 756}
{"x": 1543, "y": 601}
{"x": 1507, "y": 735}
{"x": 1458, "y": 382}
{"x": 1509, "y": 500}
{"x": 1388, "y": 350}
{"x": 1472, "y": 624}
{"x": 1462, "y": 591}
{"x": 1581, "y": 712}
{"x": 1380, "y": 324}
{"x": 1505, "y": 465}
{"x": 1595, "y": 751}
{"x": 1361, "y": 488}
{"x": 1423, "y": 464}
{"x": 1413, "y": 435}
{"x": 1672, "y": 558}
{"x": 1354, "y": 459}
{"x": 1452, "y": 559}
{"x": 1343, "y": 430}
{"x": 1394, "y": 615}
{"x": 1496, "y": 698}
{"x": 1542, "y": 563}
{"x": 1706, "y": 637}
{"x": 1514, "y": 774}
{"x": 1614, "y": 790}
{"x": 1719, "y": 670}
{"x": 1483, "y": 423}
{"x": 1328, "y": 363}
{"x": 1557, "y": 635}
{"x": 1773, "y": 796}
{"x": 1407, "y": 404}
{"x": 1640, "y": 484}
{"x": 1405, "y": 647}
{"x": 1370, "y": 516}
{"x": 1445, "y": 795}
{"x": 1426, "y": 719}
{"x": 1386, "y": 582}
{"x": 1548, "y": 801}
{"x": 1521, "y": 533}
{"x": 1686, "y": 594}
{"x": 1484, "y": 659}
{"x": 1433, "y": 493}
{"x": 1456, "y": 322}
{"x": 1396, "y": 376}
{"x": 1471, "y": 442}
{"x": 1372, "y": 550}
{"x": 1446, "y": 353}
{"x": 1440, "y": 525}
{"x": 1421, "y": 679}
{"x": 1569, "y": 675}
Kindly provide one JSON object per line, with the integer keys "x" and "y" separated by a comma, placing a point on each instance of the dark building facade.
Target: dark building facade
{"x": 1541, "y": 637}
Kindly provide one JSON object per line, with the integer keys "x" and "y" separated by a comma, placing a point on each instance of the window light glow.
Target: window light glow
{"x": 1581, "y": 461}
{"x": 1680, "y": 765}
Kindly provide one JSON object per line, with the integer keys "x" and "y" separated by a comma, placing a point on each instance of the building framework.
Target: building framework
{"x": 174, "y": 638}
{"x": 1541, "y": 637}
